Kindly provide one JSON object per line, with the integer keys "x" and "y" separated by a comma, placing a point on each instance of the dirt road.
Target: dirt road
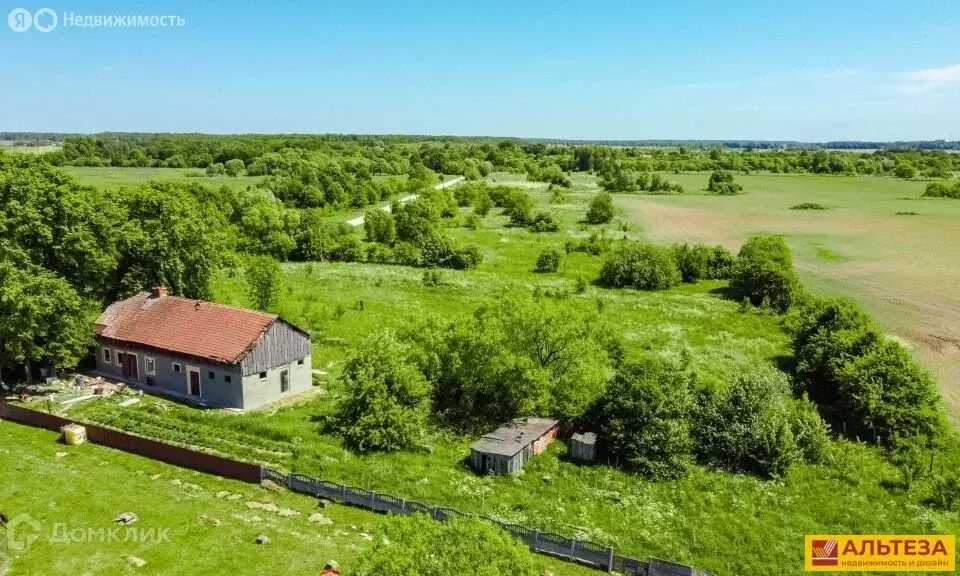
{"x": 358, "y": 221}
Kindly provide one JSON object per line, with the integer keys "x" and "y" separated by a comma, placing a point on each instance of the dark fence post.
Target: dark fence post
{"x": 573, "y": 548}
{"x": 373, "y": 500}
{"x": 610, "y": 559}
{"x": 343, "y": 493}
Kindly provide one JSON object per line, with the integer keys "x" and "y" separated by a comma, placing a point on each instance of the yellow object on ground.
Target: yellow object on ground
{"x": 74, "y": 434}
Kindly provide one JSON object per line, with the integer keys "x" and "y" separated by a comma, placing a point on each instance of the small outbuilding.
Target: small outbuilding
{"x": 583, "y": 447}
{"x": 507, "y": 449}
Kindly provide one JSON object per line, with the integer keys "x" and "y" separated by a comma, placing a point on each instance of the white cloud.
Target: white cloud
{"x": 929, "y": 79}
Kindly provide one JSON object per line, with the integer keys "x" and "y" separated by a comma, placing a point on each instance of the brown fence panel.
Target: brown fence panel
{"x": 32, "y": 417}
{"x": 175, "y": 455}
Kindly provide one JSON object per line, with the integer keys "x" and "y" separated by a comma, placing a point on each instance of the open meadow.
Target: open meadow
{"x": 902, "y": 268}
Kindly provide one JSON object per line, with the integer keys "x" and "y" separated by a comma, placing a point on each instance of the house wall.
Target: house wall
{"x": 279, "y": 346}
{"x": 512, "y": 464}
{"x": 257, "y": 391}
{"x": 215, "y": 391}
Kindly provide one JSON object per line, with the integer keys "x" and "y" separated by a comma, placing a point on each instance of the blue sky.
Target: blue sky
{"x": 812, "y": 70}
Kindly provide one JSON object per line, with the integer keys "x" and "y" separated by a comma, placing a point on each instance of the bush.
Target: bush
{"x": 763, "y": 273}
{"x": 406, "y": 254}
{"x": 810, "y": 431}
{"x": 463, "y": 546}
{"x": 379, "y": 254}
{"x": 347, "y": 249}
{"x": 905, "y": 169}
{"x": 518, "y": 206}
{"x": 942, "y": 190}
{"x": 644, "y": 419}
{"x": 548, "y": 260}
{"x": 543, "y": 222}
{"x": 886, "y": 392}
{"x": 387, "y": 398}
{"x": 808, "y": 206}
{"x": 641, "y": 265}
{"x": 748, "y": 426}
{"x": 597, "y": 243}
{"x": 693, "y": 261}
{"x": 483, "y": 204}
{"x": 720, "y": 263}
{"x": 601, "y": 210}
{"x": 379, "y": 226}
{"x": 945, "y": 492}
{"x": 473, "y": 222}
{"x": 721, "y": 182}
{"x": 264, "y": 279}
{"x": 415, "y": 221}
{"x": 466, "y": 258}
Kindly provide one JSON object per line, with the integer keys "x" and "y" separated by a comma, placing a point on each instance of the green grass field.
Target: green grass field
{"x": 903, "y": 269}
{"x": 78, "y": 491}
{"x": 113, "y": 178}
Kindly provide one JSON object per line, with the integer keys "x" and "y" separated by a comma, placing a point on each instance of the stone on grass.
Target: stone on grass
{"x": 126, "y": 518}
{"x": 255, "y": 505}
{"x": 234, "y": 496}
{"x": 222, "y": 494}
{"x": 136, "y": 561}
{"x": 287, "y": 512}
{"x": 319, "y": 518}
{"x": 271, "y": 486}
{"x": 262, "y": 539}
{"x": 204, "y": 519}
{"x": 324, "y": 503}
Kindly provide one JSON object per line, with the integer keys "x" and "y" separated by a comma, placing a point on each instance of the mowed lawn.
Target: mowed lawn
{"x": 77, "y": 492}
{"x": 905, "y": 269}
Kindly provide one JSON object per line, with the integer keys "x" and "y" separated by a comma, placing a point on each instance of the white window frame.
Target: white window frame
{"x": 147, "y": 362}
{"x": 107, "y": 356}
{"x": 116, "y": 357}
{"x": 176, "y": 367}
{"x": 264, "y": 375}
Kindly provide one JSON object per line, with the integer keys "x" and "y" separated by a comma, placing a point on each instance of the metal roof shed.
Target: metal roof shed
{"x": 507, "y": 449}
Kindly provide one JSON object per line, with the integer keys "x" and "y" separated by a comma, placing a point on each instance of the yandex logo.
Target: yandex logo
{"x": 880, "y": 553}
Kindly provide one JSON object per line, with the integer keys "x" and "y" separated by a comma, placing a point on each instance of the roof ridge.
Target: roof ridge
{"x": 218, "y": 305}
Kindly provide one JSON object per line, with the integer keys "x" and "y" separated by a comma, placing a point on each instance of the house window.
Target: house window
{"x": 227, "y": 379}
{"x": 177, "y": 368}
{"x": 150, "y": 364}
{"x": 106, "y": 355}
{"x": 211, "y": 375}
{"x": 117, "y": 358}
{"x": 285, "y": 381}
{"x": 263, "y": 376}
{"x": 300, "y": 362}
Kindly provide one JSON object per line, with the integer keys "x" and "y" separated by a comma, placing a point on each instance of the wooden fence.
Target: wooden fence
{"x": 548, "y": 543}
{"x": 183, "y": 457}
{"x": 588, "y": 553}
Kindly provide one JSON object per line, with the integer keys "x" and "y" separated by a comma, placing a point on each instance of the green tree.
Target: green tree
{"x": 234, "y": 167}
{"x": 264, "y": 279}
{"x": 464, "y": 546}
{"x": 483, "y": 204}
{"x": 644, "y": 418}
{"x": 387, "y": 398}
{"x": 379, "y": 226}
{"x": 518, "y": 206}
{"x": 640, "y": 265}
{"x": 763, "y": 273}
{"x": 548, "y": 260}
{"x": 601, "y": 210}
{"x": 416, "y": 221}
{"x": 42, "y": 318}
{"x": 693, "y": 261}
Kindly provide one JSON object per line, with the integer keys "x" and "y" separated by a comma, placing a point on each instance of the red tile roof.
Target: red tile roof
{"x": 192, "y": 327}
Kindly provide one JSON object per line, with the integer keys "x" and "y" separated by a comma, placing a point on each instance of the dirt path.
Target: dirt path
{"x": 358, "y": 221}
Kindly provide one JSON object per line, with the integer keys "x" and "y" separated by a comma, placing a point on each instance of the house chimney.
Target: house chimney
{"x": 158, "y": 292}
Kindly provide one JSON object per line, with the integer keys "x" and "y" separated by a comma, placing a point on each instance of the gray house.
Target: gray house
{"x": 202, "y": 352}
{"x": 507, "y": 449}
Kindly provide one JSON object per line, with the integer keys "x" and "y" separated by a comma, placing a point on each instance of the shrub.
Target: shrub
{"x": 719, "y": 263}
{"x": 644, "y": 419}
{"x": 905, "y": 169}
{"x": 432, "y": 277}
{"x": 942, "y": 190}
{"x": 693, "y": 261}
{"x": 264, "y": 279}
{"x": 466, "y": 258}
{"x": 543, "y": 222}
{"x": 946, "y": 492}
{"x": 601, "y": 209}
{"x": 379, "y": 226}
{"x": 379, "y": 254}
{"x": 406, "y": 254}
{"x": 721, "y": 182}
{"x": 415, "y": 221}
{"x": 483, "y": 204}
{"x": 518, "y": 206}
{"x": 886, "y": 392}
{"x": 347, "y": 249}
{"x": 597, "y": 243}
{"x": 763, "y": 273}
{"x": 810, "y": 431}
{"x": 748, "y": 426}
{"x": 387, "y": 398}
{"x": 473, "y": 222}
{"x": 422, "y": 546}
{"x": 548, "y": 260}
{"x": 808, "y": 206}
{"x": 499, "y": 195}
{"x": 640, "y": 265}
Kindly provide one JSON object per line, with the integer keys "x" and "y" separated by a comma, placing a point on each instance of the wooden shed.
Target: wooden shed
{"x": 583, "y": 447}
{"x": 507, "y": 449}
